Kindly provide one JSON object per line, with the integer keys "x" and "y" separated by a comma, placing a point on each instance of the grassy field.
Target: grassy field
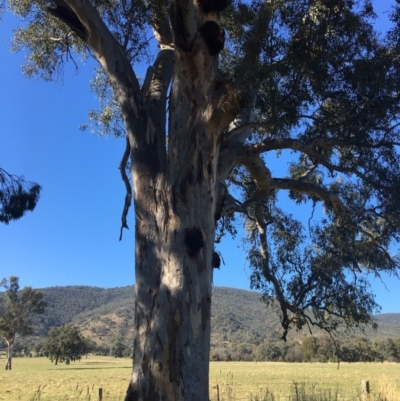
{"x": 39, "y": 379}
{"x": 34, "y": 379}
{"x": 238, "y": 380}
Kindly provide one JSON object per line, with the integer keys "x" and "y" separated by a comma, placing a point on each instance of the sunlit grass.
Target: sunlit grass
{"x": 37, "y": 379}
{"x": 241, "y": 380}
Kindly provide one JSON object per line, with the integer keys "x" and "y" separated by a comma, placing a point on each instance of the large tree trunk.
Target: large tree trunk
{"x": 175, "y": 185}
{"x": 10, "y": 346}
{"x": 175, "y": 223}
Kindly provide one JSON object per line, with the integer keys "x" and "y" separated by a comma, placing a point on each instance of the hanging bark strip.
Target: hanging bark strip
{"x": 128, "y": 196}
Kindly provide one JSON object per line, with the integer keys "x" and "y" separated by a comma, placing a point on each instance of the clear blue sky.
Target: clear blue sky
{"x": 72, "y": 236}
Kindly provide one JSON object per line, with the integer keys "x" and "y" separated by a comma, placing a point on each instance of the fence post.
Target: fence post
{"x": 100, "y": 394}
{"x": 365, "y": 389}
{"x": 217, "y": 391}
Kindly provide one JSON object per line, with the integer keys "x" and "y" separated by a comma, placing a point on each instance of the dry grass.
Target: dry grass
{"x": 241, "y": 380}
{"x": 36, "y": 379}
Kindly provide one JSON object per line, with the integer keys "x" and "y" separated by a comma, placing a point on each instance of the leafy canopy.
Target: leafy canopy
{"x": 65, "y": 343}
{"x": 322, "y": 88}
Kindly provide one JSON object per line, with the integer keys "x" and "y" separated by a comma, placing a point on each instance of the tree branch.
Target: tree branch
{"x": 307, "y": 148}
{"x": 267, "y": 273}
{"x": 262, "y": 176}
{"x": 112, "y": 58}
{"x": 308, "y": 188}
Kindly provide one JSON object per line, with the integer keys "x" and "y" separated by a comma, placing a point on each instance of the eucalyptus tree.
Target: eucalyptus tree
{"x": 16, "y": 310}
{"x": 232, "y": 85}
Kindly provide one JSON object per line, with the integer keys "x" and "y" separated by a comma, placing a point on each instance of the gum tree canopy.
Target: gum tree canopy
{"x": 232, "y": 86}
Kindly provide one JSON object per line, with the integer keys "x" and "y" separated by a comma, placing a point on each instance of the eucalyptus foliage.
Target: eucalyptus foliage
{"x": 17, "y": 196}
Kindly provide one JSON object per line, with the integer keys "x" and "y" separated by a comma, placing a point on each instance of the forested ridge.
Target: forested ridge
{"x": 236, "y": 314}
{"x": 242, "y": 325}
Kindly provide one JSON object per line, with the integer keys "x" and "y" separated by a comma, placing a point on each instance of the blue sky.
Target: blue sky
{"x": 72, "y": 236}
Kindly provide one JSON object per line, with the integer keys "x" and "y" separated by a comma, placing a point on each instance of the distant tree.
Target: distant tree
{"x": 65, "y": 343}
{"x": 17, "y": 196}
{"x": 294, "y": 355}
{"x": 90, "y": 346}
{"x": 37, "y": 348}
{"x": 363, "y": 349}
{"x": 384, "y": 349}
{"x": 348, "y": 352}
{"x": 396, "y": 343}
{"x": 101, "y": 349}
{"x": 117, "y": 346}
{"x": 309, "y": 348}
{"x": 267, "y": 351}
{"x": 244, "y": 352}
{"x": 326, "y": 349}
{"x": 16, "y": 311}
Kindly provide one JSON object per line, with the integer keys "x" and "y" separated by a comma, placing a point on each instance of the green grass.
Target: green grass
{"x": 37, "y": 379}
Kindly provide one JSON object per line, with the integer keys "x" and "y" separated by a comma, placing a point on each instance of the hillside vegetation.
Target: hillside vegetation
{"x": 242, "y": 328}
{"x": 238, "y": 316}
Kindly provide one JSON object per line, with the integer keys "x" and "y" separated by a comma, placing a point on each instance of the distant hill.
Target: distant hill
{"x": 238, "y": 316}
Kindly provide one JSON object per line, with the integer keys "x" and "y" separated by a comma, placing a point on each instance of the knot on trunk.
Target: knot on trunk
{"x": 193, "y": 241}
{"x": 209, "y": 6}
{"x": 214, "y": 36}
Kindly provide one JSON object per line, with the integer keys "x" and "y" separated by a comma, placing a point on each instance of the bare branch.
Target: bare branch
{"x": 112, "y": 58}
{"x": 307, "y": 148}
{"x": 308, "y": 188}
{"x": 269, "y": 276}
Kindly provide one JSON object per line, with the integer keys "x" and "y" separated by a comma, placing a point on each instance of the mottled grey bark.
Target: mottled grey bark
{"x": 174, "y": 245}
